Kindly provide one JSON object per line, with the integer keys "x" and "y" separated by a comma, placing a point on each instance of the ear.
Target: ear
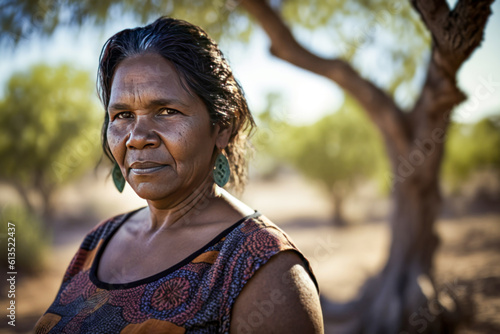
{"x": 223, "y": 134}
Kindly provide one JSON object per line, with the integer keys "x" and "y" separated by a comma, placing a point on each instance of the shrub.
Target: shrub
{"x": 31, "y": 242}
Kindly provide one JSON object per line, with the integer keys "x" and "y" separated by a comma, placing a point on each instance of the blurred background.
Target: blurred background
{"x": 319, "y": 168}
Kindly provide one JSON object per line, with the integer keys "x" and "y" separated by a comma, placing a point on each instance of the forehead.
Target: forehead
{"x": 147, "y": 75}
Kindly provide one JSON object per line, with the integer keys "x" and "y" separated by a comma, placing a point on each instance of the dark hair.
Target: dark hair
{"x": 201, "y": 65}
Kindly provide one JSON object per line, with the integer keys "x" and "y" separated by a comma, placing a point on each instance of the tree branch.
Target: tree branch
{"x": 455, "y": 35}
{"x": 434, "y": 14}
{"x": 379, "y": 106}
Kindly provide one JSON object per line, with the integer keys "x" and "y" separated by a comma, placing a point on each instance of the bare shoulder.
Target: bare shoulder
{"x": 280, "y": 298}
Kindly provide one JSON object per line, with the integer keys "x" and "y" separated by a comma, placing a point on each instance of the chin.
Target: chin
{"x": 151, "y": 192}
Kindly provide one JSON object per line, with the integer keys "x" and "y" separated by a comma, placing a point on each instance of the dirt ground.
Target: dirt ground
{"x": 342, "y": 259}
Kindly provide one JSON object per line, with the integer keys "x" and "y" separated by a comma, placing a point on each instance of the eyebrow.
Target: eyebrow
{"x": 150, "y": 105}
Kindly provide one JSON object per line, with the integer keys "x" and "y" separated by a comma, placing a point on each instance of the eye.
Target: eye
{"x": 168, "y": 111}
{"x": 124, "y": 114}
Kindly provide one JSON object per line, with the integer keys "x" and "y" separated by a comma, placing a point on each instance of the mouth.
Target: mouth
{"x": 146, "y": 167}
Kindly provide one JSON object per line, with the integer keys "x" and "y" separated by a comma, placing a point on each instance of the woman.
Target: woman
{"x": 196, "y": 259}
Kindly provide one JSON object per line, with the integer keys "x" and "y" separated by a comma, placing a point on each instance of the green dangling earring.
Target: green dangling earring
{"x": 118, "y": 178}
{"x": 221, "y": 170}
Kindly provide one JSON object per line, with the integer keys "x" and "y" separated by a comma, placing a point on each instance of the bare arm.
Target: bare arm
{"x": 280, "y": 298}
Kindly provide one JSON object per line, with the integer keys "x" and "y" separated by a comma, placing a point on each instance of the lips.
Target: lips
{"x": 146, "y": 167}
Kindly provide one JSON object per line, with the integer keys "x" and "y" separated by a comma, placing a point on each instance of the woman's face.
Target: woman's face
{"x": 160, "y": 134}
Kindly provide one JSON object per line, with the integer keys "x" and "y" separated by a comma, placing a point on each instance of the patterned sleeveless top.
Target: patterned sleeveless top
{"x": 194, "y": 296}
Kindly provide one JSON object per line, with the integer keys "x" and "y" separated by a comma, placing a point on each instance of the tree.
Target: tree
{"x": 463, "y": 156}
{"x": 32, "y": 240}
{"x": 414, "y": 139}
{"x": 415, "y": 144}
{"x": 49, "y": 125}
{"x": 22, "y": 19}
{"x": 338, "y": 151}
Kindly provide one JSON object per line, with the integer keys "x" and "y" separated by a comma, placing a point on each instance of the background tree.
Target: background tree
{"x": 21, "y": 19}
{"x": 48, "y": 123}
{"x": 464, "y": 156}
{"x": 338, "y": 151}
{"x": 32, "y": 244}
{"x": 413, "y": 129}
{"x": 471, "y": 167}
{"x": 415, "y": 144}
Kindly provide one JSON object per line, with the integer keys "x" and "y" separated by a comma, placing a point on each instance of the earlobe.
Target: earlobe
{"x": 223, "y": 136}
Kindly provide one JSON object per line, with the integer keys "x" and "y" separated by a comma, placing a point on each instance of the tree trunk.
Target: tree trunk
{"x": 338, "y": 217}
{"x": 46, "y": 191}
{"x": 45, "y": 209}
{"x": 22, "y": 191}
{"x": 48, "y": 210}
{"x": 402, "y": 297}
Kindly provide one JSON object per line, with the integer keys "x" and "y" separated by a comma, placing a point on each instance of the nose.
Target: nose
{"x": 142, "y": 135}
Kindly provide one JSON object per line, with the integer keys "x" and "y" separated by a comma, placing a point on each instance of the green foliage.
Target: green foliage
{"x": 336, "y": 151}
{"x": 469, "y": 148}
{"x": 20, "y": 19}
{"x": 31, "y": 243}
{"x": 352, "y": 30}
{"x": 49, "y": 125}
{"x": 270, "y": 138}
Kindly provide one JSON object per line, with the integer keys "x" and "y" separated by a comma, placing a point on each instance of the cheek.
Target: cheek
{"x": 178, "y": 144}
{"x": 116, "y": 139}
{"x": 199, "y": 137}
{"x": 190, "y": 143}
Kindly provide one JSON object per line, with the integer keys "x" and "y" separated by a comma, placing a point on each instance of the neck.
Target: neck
{"x": 185, "y": 212}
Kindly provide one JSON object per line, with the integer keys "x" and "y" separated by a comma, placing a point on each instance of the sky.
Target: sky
{"x": 306, "y": 97}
